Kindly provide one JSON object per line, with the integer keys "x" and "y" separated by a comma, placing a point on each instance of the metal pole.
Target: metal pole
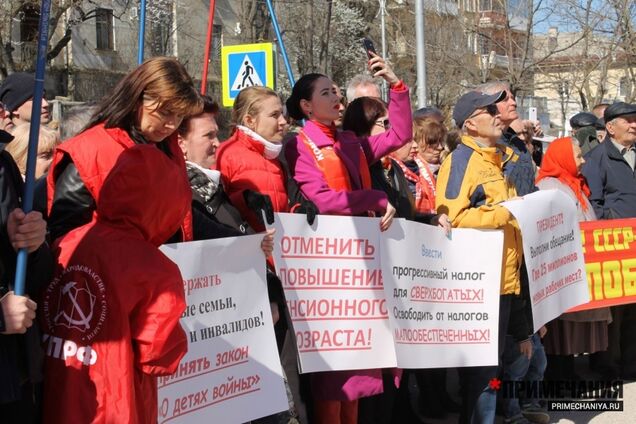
{"x": 34, "y": 134}
{"x": 383, "y": 32}
{"x": 281, "y": 44}
{"x": 208, "y": 46}
{"x": 142, "y": 31}
{"x": 420, "y": 53}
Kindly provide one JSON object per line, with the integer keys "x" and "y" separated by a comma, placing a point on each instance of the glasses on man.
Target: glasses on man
{"x": 490, "y": 110}
{"x": 384, "y": 123}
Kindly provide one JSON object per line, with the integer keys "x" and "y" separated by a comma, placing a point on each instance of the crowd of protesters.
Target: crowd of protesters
{"x": 145, "y": 166}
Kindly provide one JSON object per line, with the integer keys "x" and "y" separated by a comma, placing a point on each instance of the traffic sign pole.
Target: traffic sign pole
{"x": 281, "y": 44}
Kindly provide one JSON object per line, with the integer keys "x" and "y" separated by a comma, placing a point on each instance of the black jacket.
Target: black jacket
{"x": 20, "y": 355}
{"x": 520, "y": 173}
{"x": 395, "y": 185}
{"x": 612, "y": 182}
{"x": 213, "y": 216}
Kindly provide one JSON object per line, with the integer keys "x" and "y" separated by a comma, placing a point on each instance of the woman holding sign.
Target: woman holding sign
{"x": 576, "y": 332}
{"x": 331, "y": 169}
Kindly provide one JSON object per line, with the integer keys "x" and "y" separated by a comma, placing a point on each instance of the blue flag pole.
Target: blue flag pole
{"x": 34, "y": 134}
{"x": 281, "y": 44}
{"x": 142, "y": 31}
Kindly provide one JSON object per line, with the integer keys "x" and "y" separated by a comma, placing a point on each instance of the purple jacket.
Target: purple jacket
{"x": 311, "y": 181}
{"x": 349, "y": 385}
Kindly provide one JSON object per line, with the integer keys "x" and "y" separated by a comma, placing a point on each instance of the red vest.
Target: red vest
{"x": 332, "y": 167}
{"x": 94, "y": 152}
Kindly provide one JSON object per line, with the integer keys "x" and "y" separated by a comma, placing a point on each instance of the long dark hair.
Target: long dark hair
{"x": 163, "y": 79}
{"x": 303, "y": 90}
{"x": 361, "y": 115}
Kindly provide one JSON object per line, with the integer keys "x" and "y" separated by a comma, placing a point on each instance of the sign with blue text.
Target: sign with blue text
{"x": 246, "y": 65}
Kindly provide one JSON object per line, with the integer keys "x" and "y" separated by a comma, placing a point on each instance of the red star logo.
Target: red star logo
{"x": 494, "y": 384}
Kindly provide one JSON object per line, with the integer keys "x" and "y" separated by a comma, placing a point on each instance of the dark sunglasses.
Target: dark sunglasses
{"x": 490, "y": 110}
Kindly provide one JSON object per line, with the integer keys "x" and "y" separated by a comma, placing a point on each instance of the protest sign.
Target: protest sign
{"x": 552, "y": 253}
{"x": 232, "y": 371}
{"x": 333, "y": 285}
{"x": 610, "y": 262}
{"x": 442, "y": 294}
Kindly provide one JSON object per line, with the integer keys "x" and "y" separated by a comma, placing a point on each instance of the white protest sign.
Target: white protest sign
{"x": 232, "y": 371}
{"x": 333, "y": 285}
{"x": 443, "y": 294}
{"x": 552, "y": 252}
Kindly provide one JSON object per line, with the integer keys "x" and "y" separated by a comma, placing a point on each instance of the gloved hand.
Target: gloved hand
{"x": 258, "y": 202}
{"x": 309, "y": 208}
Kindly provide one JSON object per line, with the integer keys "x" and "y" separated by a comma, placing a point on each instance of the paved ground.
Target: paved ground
{"x": 627, "y": 416}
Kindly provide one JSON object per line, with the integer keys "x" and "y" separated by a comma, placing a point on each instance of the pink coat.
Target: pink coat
{"x": 312, "y": 183}
{"x": 349, "y": 385}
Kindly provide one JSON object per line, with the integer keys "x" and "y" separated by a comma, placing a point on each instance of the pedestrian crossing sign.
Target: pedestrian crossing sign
{"x": 246, "y": 65}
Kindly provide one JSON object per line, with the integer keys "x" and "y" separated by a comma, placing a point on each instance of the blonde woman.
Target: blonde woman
{"x": 248, "y": 160}
{"x": 19, "y": 147}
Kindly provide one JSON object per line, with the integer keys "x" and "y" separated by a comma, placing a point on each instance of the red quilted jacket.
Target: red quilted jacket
{"x": 94, "y": 153}
{"x": 243, "y": 166}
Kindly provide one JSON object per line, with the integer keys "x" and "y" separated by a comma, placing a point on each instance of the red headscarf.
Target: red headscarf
{"x": 558, "y": 162}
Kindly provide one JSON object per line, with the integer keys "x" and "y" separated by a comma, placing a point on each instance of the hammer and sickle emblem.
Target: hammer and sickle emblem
{"x": 83, "y": 323}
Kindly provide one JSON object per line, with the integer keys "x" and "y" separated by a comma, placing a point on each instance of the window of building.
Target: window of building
{"x": 29, "y": 17}
{"x": 104, "y": 29}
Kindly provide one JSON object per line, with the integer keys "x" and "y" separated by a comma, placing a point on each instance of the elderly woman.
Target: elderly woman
{"x": 576, "y": 332}
{"x": 18, "y": 148}
{"x": 146, "y": 107}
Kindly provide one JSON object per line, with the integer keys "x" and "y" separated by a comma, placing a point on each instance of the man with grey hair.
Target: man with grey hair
{"x": 522, "y": 349}
{"x": 362, "y": 86}
{"x": 471, "y": 185}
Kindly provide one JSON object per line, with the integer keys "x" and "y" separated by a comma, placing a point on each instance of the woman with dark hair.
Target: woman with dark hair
{"x": 146, "y": 107}
{"x": 331, "y": 169}
{"x": 368, "y": 116}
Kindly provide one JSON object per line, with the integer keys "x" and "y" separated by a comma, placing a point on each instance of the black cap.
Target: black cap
{"x": 5, "y": 137}
{"x": 471, "y": 101}
{"x": 582, "y": 119}
{"x": 428, "y": 111}
{"x": 600, "y": 124}
{"x": 16, "y": 89}
{"x": 619, "y": 109}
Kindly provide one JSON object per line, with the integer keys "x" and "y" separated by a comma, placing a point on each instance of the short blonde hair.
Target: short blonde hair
{"x": 18, "y": 148}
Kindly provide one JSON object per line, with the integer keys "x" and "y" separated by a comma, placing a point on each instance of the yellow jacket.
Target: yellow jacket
{"x": 470, "y": 185}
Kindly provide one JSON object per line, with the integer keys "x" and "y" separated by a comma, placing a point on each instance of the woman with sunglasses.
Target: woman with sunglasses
{"x": 146, "y": 107}
{"x": 332, "y": 170}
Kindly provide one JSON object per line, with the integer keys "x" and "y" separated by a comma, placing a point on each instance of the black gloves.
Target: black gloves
{"x": 258, "y": 202}
{"x": 308, "y": 208}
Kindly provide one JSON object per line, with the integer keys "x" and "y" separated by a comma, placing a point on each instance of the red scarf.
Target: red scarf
{"x": 558, "y": 162}
{"x": 328, "y": 130}
{"x": 424, "y": 184}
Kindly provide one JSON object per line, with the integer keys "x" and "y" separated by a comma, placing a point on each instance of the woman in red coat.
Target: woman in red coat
{"x": 248, "y": 160}
{"x": 146, "y": 107}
